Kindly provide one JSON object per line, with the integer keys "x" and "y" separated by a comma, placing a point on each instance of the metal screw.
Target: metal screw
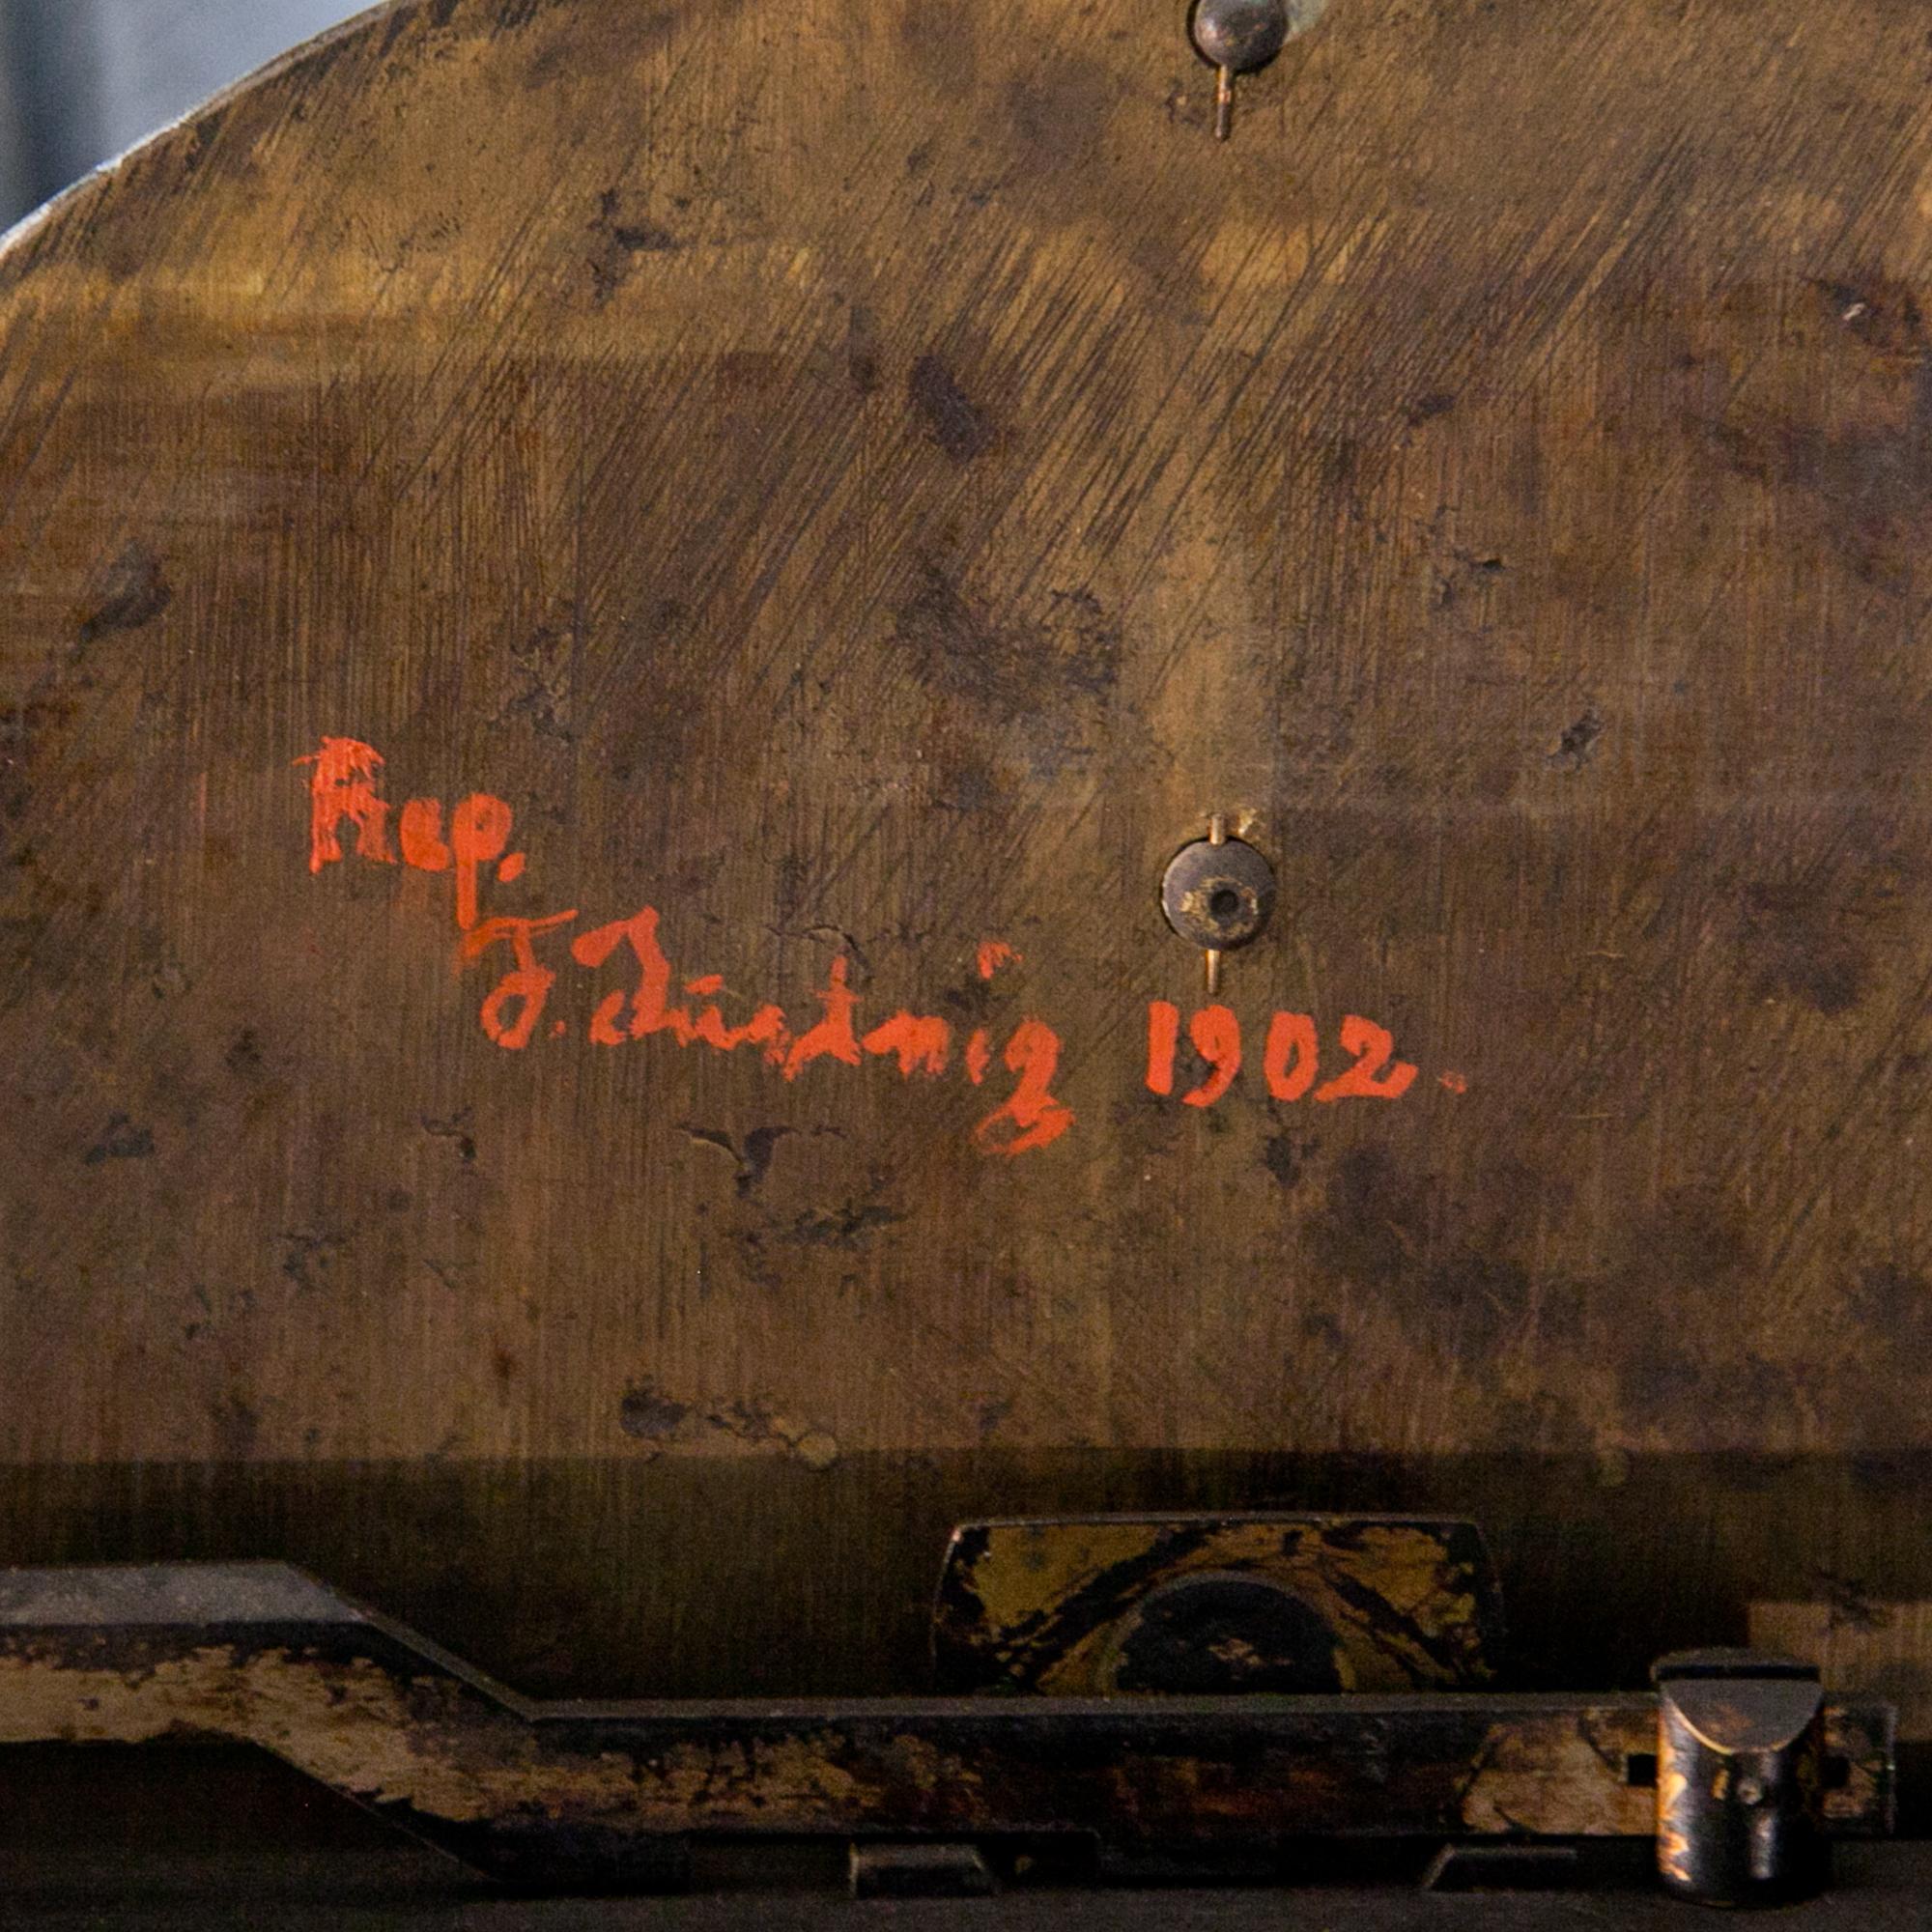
{"x": 1238, "y": 36}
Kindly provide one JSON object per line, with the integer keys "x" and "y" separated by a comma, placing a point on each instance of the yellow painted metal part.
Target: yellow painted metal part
{"x": 1055, "y": 1604}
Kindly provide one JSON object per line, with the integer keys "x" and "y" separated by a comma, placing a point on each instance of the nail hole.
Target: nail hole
{"x": 1640, "y": 1771}
{"x": 1837, "y": 1773}
{"x": 1225, "y": 902}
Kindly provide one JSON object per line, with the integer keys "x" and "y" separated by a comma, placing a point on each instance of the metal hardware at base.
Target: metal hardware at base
{"x": 1279, "y": 1602}
{"x": 613, "y": 1795}
{"x": 921, "y": 1871}
{"x": 1504, "y": 1869}
{"x": 1741, "y": 1765}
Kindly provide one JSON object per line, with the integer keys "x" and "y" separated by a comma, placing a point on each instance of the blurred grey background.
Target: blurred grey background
{"x": 82, "y": 79}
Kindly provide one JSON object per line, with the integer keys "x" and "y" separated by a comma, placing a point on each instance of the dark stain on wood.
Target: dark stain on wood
{"x": 754, "y": 1161}
{"x": 121, "y": 1140}
{"x": 134, "y": 593}
{"x": 1286, "y": 1157}
{"x": 1804, "y": 946}
{"x": 309, "y": 1258}
{"x": 1578, "y": 742}
{"x": 648, "y": 1413}
{"x": 619, "y": 243}
{"x": 1014, "y": 673}
{"x": 863, "y": 350}
{"x": 951, "y": 418}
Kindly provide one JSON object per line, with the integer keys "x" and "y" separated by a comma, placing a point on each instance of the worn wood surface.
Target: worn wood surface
{"x": 866, "y": 481}
{"x": 1883, "y": 1650}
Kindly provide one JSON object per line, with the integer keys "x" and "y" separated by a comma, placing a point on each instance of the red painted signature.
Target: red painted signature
{"x": 474, "y": 843}
{"x": 344, "y": 792}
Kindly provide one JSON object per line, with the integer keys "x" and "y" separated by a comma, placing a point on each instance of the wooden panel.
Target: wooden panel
{"x": 865, "y": 483}
{"x": 1882, "y": 1649}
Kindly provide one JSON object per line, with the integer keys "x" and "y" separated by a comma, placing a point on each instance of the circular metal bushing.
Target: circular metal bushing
{"x": 1240, "y": 35}
{"x": 1222, "y": 1633}
{"x": 1218, "y": 897}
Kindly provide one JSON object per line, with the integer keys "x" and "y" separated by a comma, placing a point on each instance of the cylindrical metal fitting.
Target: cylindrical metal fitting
{"x": 1740, "y": 1747}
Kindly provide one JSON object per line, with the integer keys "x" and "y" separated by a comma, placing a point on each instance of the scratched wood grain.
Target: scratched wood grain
{"x": 866, "y": 481}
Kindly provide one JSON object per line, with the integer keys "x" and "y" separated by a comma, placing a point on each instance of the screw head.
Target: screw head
{"x": 1240, "y": 35}
{"x": 1219, "y": 896}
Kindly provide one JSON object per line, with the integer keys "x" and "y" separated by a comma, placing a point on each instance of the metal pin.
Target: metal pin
{"x": 1217, "y": 823}
{"x": 1238, "y": 36}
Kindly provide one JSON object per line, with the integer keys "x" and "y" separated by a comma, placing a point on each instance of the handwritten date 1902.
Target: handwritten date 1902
{"x": 1290, "y": 1058}
{"x": 344, "y": 790}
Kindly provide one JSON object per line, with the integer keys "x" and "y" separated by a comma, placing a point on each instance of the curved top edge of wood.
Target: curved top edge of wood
{"x": 71, "y": 202}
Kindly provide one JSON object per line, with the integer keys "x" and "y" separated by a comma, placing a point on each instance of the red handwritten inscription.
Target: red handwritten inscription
{"x": 1031, "y": 1117}
{"x": 479, "y": 835}
{"x": 921, "y": 1044}
{"x": 344, "y": 787}
{"x": 422, "y": 833}
{"x": 651, "y": 1011}
{"x": 529, "y": 985}
{"x": 1290, "y": 1058}
{"x": 344, "y": 790}
{"x": 1163, "y": 1038}
{"x": 979, "y": 1056}
{"x": 1373, "y": 1048}
{"x": 995, "y": 953}
{"x": 833, "y": 1037}
{"x": 1216, "y": 1036}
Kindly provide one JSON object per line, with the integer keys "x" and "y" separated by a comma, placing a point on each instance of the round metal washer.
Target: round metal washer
{"x": 1219, "y": 896}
